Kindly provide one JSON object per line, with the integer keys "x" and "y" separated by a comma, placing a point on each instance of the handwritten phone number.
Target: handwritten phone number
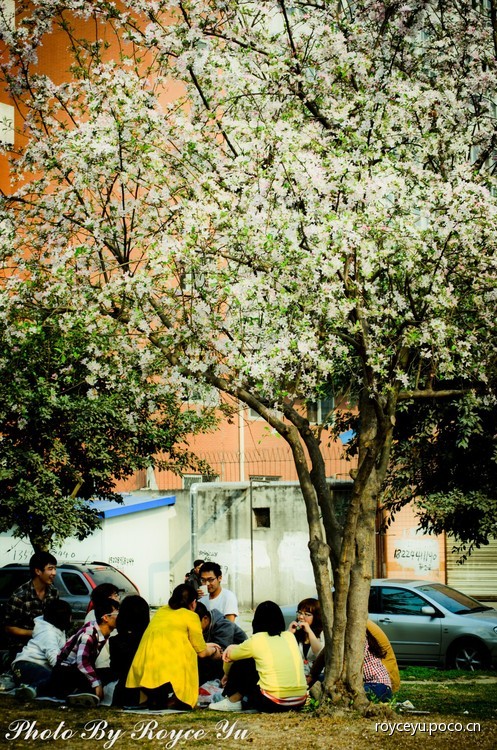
{"x": 121, "y": 560}
{"x": 415, "y": 554}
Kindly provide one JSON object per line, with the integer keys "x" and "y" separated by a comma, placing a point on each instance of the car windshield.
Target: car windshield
{"x": 109, "y": 575}
{"x": 455, "y": 601}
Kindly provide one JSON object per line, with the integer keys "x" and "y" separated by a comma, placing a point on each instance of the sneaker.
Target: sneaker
{"x": 226, "y": 705}
{"x": 50, "y": 699}
{"x": 82, "y": 700}
{"x": 25, "y": 693}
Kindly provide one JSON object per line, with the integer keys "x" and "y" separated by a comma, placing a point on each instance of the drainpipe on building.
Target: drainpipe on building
{"x": 241, "y": 442}
{"x": 380, "y": 569}
{"x": 251, "y": 528}
{"x": 151, "y": 480}
{"x": 193, "y": 521}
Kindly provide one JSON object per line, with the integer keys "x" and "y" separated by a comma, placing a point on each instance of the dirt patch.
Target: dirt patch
{"x": 60, "y": 727}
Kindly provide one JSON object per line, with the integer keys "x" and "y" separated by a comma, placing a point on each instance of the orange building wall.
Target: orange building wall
{"x": 411, "y": 554}
{"x": 244, "y": 448}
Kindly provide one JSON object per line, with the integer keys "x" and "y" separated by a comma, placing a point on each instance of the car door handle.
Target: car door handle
{"x": 385, "y": 619}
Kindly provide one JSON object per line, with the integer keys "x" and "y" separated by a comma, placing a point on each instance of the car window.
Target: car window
{"x": 75, "y": 584}
{"x": 454, "y": 601}
{"x": 10, "y": 580}
{"x": 401, "y": 602}
{"x": 110, "y": 575}
{"x": 373, "y": 604}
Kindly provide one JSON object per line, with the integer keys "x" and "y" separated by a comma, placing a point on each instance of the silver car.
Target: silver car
{"x": 430, "y": 623}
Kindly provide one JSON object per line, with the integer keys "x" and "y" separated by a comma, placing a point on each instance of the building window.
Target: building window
{"x": 485, "y": 6}
{"x": 321, "y": 411}
{"x": 203, "y": 395}
{"x": 262, "y": 518}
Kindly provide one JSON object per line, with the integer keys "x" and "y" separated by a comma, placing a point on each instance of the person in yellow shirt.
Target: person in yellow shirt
{"x": 165, "y": 664}
{"x": 267, "y": 669}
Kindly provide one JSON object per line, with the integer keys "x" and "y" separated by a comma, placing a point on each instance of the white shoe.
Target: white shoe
{"x": 226, "y": 705}
{"x": 82, "y": 700}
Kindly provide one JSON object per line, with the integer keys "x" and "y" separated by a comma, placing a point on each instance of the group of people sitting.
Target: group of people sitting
{"x": 162, "y": 662}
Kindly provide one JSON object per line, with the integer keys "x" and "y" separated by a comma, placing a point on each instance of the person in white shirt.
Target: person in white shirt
{"x": 308, "y": 630}
{"x": 33, "y": 665}
{"x": 216, "y": 597}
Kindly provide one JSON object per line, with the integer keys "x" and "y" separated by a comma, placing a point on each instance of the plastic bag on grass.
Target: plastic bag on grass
{"x": 209, "y": 692}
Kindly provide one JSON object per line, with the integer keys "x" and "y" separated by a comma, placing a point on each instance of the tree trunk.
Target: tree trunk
{"x": 318, "y": 548}
{"x": 352, "y": 576}
{"x": 345, "y": 611}
{"x": 39, "y": 542}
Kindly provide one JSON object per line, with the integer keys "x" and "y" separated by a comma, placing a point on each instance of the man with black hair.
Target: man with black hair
{"x": 29, "y": 601}
{"x": 102, "y": 592}
{"x": 75, "y": 676}
{"x": 216, "y": 629}
{"x": 193, "y": 577}
{"x": 217, "y": 597}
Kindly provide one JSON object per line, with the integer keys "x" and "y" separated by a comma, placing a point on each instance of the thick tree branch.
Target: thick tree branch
{"x": 430, "y": 393}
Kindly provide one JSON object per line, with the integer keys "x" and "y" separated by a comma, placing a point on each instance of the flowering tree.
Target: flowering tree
{"x": 312, "y": 209}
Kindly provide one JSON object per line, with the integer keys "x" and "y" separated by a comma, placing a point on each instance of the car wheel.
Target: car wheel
{"x": 469, "y": 655}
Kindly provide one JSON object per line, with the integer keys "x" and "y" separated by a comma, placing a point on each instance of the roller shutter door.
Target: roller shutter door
{"x": 477, "y": 576}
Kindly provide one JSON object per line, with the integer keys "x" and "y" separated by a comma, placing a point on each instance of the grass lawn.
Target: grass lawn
{"x": 461, "y": 694}
{"x": 457, "y": 704}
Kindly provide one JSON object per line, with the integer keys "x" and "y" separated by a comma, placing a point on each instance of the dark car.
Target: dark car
{"x": 430, "y": 623}
{"x": 74, "y": 582}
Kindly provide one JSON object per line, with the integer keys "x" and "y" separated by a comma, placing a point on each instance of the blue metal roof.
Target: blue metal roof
{"x": 132, "y": 503}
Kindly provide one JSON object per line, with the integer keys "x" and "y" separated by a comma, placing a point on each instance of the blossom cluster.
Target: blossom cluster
{"x": 277, "y": 196}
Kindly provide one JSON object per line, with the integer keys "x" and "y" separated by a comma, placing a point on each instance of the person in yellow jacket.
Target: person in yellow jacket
{"x": 165, "y": 664}
{"x": 389, "y": 660}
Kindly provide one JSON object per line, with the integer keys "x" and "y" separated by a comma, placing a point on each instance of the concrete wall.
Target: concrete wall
{"x": 225, "y": 530}
{"x": 180, "y": 549}
{"x": 215, "y": 521}
{"x": 218, "y": 521}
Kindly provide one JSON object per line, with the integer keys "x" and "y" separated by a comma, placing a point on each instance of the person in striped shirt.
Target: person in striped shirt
{"x": 75, "y": 676}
